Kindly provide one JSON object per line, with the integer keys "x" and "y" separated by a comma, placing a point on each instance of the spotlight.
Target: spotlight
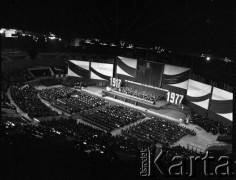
{"x": 208, "y": 58}
{"x": 2, "y": 30}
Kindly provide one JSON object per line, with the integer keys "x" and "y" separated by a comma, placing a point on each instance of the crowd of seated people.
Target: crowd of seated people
{"x": 75, "y": 82}
{"x": 150, "y": 96}
{"x": 113, "y": 117}
{"x": 90, "y": 139}
{"x": 27, "y": 100}
{"x": 157, "y": 130}
{"x": 58, "y": 156}
{"x": 181, "y": 151}
{"x": 185, "y": 153}
{"x": 77, "y": 102}
{"x": 210, "y": 125}
{"x": 54, "y": 93}
{"x": 17, "y": 77}
{"x": 12, "y": 121}
{"x": 55, "y": 141}
{"x": 41, "y": 72}
{"x": 4, "y": 86}
{"x": 6, "y": 103}
{"x": 87, "y": 138}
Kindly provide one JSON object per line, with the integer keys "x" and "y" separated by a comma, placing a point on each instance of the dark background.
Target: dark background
{"x": 187, "y": 26}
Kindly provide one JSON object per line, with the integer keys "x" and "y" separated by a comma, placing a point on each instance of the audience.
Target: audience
{"x": 181, "y": 151}
{"x": 210, "y": 125}
{"x": 6, "y": 103}
{"x": 17, "y": 77}
{"x": 158, "y": 130}
{"x": 113, "y": 117}
{"x": 55, "y": 93}
{"x": 141, "y": 94}
{"x": 27, "y": 100}
{"x": 76, "y": 82}
{"x": 70, "y": 100}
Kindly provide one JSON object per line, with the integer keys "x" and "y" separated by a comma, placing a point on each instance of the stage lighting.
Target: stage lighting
{"x": 2, "y": 30}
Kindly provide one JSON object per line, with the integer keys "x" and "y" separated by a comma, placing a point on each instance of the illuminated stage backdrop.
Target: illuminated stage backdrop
{"x": 198, "y": 93}
{"x": 175, "y": 79}
{"x": 126, "y": 66}
{"x": 222, "y": 103}
{"x": 78, "y": 69}
{"x": 101, "y": 71}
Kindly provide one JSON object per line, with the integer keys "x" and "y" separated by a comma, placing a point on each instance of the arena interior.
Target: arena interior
{"x": 84, "y": 110}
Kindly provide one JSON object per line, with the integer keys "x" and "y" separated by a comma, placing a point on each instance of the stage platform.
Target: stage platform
{"x": 166, "y": 111}
{"x": 161, "y": 109}
{"x": 136, "y": 101}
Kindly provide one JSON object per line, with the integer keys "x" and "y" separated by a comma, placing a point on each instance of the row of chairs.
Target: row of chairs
{"x": 113, "y": 117}
{"x": 157, "y": 130}
{"x": 27, "y": 100}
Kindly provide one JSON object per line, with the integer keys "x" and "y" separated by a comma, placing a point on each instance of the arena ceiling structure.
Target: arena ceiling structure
{"x": 187, "y": 26}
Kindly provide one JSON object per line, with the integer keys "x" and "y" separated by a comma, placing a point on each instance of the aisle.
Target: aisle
{"x": 118, "y": 131}
{"x": 18, "y": 110}
{"x": 201, "y": 140}
{"x": 52, "y": 107}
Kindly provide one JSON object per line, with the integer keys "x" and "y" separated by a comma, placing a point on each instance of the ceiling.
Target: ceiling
{"x": 188, "y": 26}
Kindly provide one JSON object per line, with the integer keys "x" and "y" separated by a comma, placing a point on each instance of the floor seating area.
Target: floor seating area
{"x": 113, "y": 117}
{"x": 27, "y": 100}
{"x": 157, "y": 130}
{"x": 54, "y": 93}
{"x": 210, "y": 125}
{"x": 70, "y": 100}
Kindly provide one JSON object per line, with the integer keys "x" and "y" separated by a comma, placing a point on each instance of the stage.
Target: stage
{"x": 164, "y": 110}
{"x": 133, "y": 100}
{"x": 161, "y": 109}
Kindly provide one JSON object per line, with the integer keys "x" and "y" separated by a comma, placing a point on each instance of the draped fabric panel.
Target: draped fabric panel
{"x": 176, "y": 76}
{"x": 174, "y": 89}
{"x": 199, "y": 93}
{"x": 78, "y": 69}
{"x": 175, "y": 79}
{"x": 97, "y": 75}
{"x": 126, "y": 66}
{"x": 222, "y": 103}
{"x": 198, "y": 99}
{"x": 101, "y": 71}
